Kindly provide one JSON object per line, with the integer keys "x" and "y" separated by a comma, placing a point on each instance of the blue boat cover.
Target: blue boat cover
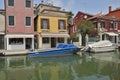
{"x": 62, "y": 45}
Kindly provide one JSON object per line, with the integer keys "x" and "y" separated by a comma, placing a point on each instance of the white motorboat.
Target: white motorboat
{"x": 101, "y": 46}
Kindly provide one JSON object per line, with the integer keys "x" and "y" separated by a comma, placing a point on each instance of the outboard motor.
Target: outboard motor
{"x": 2, "y": 54}
{"x": 88, "y": 48}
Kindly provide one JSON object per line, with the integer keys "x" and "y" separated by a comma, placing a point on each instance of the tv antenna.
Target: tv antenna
{"x": 47, "y": 2}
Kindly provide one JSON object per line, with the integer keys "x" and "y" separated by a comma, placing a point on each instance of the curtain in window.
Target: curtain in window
{"x": 61, "y": 24}
{"x": 45, "y": 24}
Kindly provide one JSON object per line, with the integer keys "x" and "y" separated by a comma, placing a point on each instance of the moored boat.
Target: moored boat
{"x": 2, "y": 54}
{"x": 61, "y": 50}
{"x": 101, "y": 46}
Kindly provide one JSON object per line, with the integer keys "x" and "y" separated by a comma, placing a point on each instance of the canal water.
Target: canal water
{"x": 102, "y": 66}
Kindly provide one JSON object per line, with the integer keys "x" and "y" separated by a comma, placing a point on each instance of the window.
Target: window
{"x": 28, "y": 3}
{"x": 44, "y": 24}
{"x": 11, "y": 20}
{"x": 74, "y": 29}
{"x": 102, "y": 24}
{"x": 45, "y": 40}
{"x": 113, "y": 25}
{"x": 95, "y": 24}
{"x": 10, "y": 2}
{"x": 15, "y": 41}
{"x": 28, "y": 21}
{"x": 60, "y": 40}
{"x": 62, "y": 25}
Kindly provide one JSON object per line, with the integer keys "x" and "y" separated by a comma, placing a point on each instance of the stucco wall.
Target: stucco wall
{"x": 53, "y": 23}
{"x": 20, "y": 12}
{"x": 2, "y": 23}
{"x": 114, "y": 14}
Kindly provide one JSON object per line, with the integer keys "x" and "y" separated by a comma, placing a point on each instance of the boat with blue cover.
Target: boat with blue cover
{"x": 61, "y": 50}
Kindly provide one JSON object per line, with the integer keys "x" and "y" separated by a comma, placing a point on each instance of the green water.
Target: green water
{"x": 103, "y": 66}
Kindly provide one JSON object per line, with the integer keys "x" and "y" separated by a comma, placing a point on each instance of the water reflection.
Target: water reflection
{"x": 72, "y": 67}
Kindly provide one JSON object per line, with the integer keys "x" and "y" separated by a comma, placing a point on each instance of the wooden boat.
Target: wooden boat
{"x": 101, "y": 46}
{"x": 60, "y": 50}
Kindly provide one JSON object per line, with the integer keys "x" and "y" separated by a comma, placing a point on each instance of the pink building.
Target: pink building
{"x": 19, "y": 24}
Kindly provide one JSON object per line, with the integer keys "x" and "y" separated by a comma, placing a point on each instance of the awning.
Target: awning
{"x": 55, "y": 35}
{"x": 111, "y": 34}
{"x": 19, "y": 36}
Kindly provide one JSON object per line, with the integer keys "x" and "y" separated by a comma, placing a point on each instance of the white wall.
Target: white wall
{"x": 47, "y": 45}
{"x": 16, "y": 47}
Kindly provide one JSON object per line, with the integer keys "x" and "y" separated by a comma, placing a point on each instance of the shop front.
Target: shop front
{"x": 50, "y": 40}
{"x": 19, "y": 42}
{"x": 111, "y": 36}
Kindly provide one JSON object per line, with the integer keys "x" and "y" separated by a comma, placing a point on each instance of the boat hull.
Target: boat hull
{"x": 103, "y": 49}
{"x": 54, "y": 52}
{"x": 101, "y": 46}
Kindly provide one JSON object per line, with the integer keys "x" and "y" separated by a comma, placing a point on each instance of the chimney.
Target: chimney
{"x": 110, "y": 9}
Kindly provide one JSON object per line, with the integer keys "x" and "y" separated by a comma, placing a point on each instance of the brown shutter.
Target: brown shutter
{"x": 64, "y": 24}
{"x": 58, "y": 24}
{"x": 48, "y": 25}
{"x": 41, "y": 23}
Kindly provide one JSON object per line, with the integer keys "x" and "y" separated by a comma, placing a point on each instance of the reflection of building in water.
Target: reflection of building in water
{"x": 73, "y": 70}
{"x": 2, "y": 65}
{"x": 53, "y": 71}
{"x": 15, "y": 62}
{"x": 17, "y": 68}
{"x": 65, "y": 68}
{"x": 54, "y": 68}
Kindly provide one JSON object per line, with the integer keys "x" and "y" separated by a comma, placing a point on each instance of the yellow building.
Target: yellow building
{"x": 50, "y": 26}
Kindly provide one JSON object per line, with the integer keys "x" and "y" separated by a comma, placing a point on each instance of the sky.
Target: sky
{"x": 87, "y": 6}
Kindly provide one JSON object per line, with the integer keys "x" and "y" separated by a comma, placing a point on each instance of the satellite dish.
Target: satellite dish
{"x": 85, "y": 16}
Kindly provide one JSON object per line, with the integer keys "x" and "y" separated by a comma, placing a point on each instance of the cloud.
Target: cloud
{"x": 56, "y": 2}
{"x": 64, "y": 4}
{"x": 70, "y": 5}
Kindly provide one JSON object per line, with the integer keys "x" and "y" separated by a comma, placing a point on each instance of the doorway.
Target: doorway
{"x": 53, "y": 42}
{"x": 28, "y": 43}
